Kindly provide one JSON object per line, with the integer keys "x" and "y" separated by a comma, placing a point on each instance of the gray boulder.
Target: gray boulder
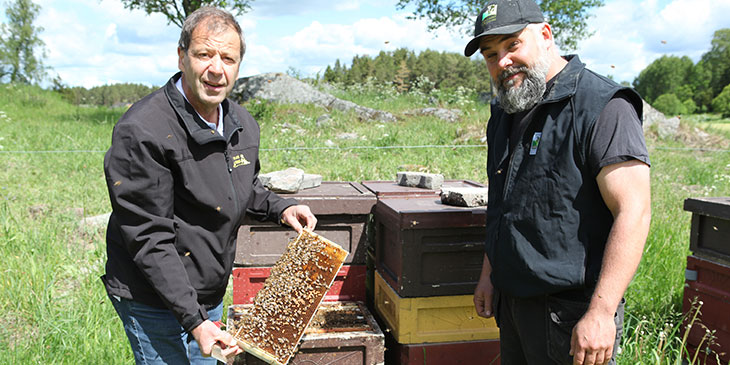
{"x": 447, "y": 115}
{"x": 666, "y": 127}
{"x": 282, "y": 88}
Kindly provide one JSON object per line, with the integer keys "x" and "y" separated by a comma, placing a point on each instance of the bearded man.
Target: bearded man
{"x": 569, "y": 203}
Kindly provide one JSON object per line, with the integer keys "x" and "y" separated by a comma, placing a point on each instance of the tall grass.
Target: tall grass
{"x": 54, "y": 308}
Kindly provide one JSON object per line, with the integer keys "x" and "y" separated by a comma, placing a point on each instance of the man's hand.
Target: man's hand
{"x": 485, "y": 291}
{"x": 483, "y": 298}
{"x": 593, "y": 338}
{"x": 208, "y": 334}
{"x": 297, "y": 215}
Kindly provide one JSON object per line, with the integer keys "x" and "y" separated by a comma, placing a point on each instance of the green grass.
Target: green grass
{"x": 54, "y": 306}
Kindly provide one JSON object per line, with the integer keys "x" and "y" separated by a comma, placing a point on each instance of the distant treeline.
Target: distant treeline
{"x": 676, "y": 85}
{"x": 404, "y": 69}
{"x": 106, "y": 95}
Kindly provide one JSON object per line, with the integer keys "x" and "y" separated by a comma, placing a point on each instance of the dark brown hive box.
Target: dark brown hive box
{"x": 710, "y": 233}
{"x": 342, "y": 210}
{"x": 342, "y": 333}
{"x": 708, "y": 282}
{"x": 391, "y": 189}
{"x": 425, "y": 248}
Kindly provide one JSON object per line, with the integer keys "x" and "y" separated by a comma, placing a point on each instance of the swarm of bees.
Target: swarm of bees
{"x": 283, "y": 308}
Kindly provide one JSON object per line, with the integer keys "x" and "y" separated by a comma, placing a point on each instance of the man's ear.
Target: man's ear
{"x": 180, "y": 56}
{"x": 547, "y": 32}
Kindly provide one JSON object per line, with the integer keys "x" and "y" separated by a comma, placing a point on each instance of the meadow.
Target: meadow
{"x": 55, "y": 310}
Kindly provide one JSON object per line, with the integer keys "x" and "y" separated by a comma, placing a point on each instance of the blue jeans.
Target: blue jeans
{"x": 156, "y": 336}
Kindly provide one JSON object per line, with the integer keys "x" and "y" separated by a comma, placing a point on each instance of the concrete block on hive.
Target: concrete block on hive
{"x": 420, "y": 179}
{"x": 285, "y": 181}
{"x": 311, "y": 181}
{"x": 464, "y": 197}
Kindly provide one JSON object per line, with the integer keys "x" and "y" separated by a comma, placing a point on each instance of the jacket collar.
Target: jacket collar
{"x": 566, "y": 81}
{"x": 196, "y": 127}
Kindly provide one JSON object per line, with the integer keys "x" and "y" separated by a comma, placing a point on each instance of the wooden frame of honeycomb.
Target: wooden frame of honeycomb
{"x": 286, "y": 304}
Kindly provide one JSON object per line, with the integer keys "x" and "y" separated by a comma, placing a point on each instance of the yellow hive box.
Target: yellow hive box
{"x": 431, "y": 319}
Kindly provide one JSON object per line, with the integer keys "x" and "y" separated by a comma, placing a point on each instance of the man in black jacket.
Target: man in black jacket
{"x": 569, "y": 202}
{"x": 182, "y": 172}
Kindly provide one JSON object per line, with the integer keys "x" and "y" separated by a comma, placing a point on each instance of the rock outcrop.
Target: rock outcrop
{"x": 282, "y": 88}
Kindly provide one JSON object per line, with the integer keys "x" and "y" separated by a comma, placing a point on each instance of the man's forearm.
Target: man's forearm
{"x": 622, "y": 255}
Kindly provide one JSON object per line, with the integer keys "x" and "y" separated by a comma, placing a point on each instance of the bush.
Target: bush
{"x": 260, "y": 109}
{"x": 721, "y": 103}
{"x": 669, "y": 104}
{"x": 690, "y": 106}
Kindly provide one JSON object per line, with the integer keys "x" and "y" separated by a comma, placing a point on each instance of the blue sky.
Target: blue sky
{"x": 96, "y": 42}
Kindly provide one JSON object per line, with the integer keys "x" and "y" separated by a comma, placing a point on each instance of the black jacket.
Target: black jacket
{"x": 547, "y": 223}
{"x": 179, "y": 192}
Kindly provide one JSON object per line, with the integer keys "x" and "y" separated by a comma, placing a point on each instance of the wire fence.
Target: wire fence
{"x": 345, "y": 148}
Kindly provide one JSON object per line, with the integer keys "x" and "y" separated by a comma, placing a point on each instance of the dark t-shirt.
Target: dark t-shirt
{"x": 617, "y": 136}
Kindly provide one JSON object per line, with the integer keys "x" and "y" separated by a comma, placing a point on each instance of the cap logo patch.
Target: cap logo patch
{"x": 490, "y": 14}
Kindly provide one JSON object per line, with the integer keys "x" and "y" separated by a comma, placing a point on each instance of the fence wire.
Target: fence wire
{"x": 317, "y": 148}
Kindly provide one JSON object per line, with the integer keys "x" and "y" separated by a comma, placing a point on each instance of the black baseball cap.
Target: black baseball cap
{"x": 503, "y": 17}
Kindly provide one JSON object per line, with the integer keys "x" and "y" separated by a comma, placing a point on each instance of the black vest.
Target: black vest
{"x": 547, "y": 224}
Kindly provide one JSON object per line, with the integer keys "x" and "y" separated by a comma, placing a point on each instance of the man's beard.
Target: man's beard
{"x": 516, "y": 99}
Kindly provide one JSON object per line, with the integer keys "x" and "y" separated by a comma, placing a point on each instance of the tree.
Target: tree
{"x": 567, "y": 17}
{"x": 21, "y": 50}
{"x": 666, "y": 75}
{"x": 176, "y": 11}
{"x": 716, "y": 62}
{"x": 721, "y": 103}
{"x": 669, "y": 104}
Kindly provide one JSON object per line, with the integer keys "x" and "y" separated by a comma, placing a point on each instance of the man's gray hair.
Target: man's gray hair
{"x": 217, "y": 20}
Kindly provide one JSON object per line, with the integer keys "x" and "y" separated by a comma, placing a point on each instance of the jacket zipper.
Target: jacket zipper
{"x": 230, "y": 176}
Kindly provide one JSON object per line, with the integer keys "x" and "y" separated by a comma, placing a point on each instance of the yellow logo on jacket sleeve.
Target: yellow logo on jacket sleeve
{"x": 240, "y": 160}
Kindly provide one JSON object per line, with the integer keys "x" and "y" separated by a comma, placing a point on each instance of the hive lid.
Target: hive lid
{"x": 714, "y": 206}
{"x": 428, "y": 212}
{"x": 337, "y": 197}
{"x": 389, "y": 189}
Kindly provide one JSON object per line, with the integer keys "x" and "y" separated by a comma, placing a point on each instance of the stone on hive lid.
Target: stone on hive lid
{"x": 464, "y": 197}
{"x": 420, "y": 180}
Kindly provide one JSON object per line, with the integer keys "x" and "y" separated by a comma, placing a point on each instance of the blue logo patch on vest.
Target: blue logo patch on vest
{"x": 535, "y": 142}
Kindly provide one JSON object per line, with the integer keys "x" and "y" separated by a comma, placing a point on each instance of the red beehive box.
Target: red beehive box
{"x": 708, "y": 282}
{"x": 349, "y": 284}
{"x": 391, "y": 189}
{"x": 444, "y": 353}
{"x": 342, "y": 209}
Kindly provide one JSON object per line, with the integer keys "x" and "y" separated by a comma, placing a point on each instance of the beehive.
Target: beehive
{"x": 283, "y": 308}
{"x": 341, "y": 333}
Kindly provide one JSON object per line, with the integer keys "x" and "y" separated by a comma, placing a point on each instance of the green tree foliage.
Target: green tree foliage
{"x": 176, "y": 11}
{"x": 669, "y": 104}
{"x": 717, "y": 61}
{"x": 21, "y": 50}
{"x": 401, "y": 68}
{"x": 567, "y": 17}
{"x": 666, "y": 75}
{"x": 721, "y": 103}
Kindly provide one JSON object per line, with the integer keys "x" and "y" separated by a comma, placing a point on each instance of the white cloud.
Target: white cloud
{"x": 630, "y": 34}
{"x": 317, "y": 45}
